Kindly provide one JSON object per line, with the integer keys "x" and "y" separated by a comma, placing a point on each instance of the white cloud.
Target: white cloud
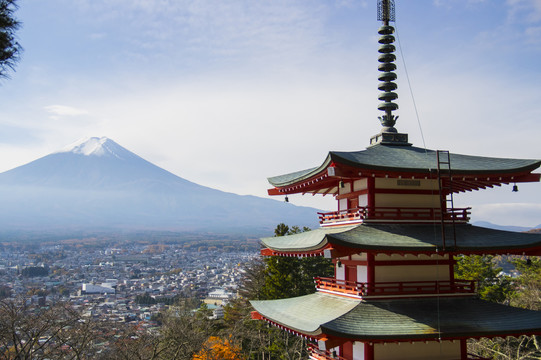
{"x": 226, "y": 93}
{"x": 525, "y": 10}
{"x": 63, "y": 110}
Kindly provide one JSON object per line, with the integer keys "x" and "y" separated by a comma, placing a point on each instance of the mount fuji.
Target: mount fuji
{"x": 97, "y": 184}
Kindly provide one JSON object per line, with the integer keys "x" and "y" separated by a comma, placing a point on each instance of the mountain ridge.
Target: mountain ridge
{"x": 100, "y": 184}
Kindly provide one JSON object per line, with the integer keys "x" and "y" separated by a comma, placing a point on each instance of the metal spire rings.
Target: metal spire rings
{"x": 388, "y": 135}
{"x": 387, "y": 66}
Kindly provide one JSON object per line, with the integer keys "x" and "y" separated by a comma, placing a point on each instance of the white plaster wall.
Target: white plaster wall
{"x": 342, "y": 204}
{"x": 432, "y": 350}
{"x": 363, "y": 200}
{"x": 341, "y": 273}
{"x": 358, "y": 350}
{"x": 362, "y": 273}
{"x": 360, "y": 184}
{"x": 344, "y": 190}
{"x": 411, "y": 273}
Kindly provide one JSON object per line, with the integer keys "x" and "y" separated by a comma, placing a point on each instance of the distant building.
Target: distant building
{"x": 104, "y": 288}
{"x": 218, "y": 297}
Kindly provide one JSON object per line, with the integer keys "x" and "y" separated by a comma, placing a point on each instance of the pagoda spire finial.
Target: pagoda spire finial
{"x": 388, "y": 135}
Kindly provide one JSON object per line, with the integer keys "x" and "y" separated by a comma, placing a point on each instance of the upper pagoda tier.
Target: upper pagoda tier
{"x": 404, "y": 162}
{"x": 402, "y": 239}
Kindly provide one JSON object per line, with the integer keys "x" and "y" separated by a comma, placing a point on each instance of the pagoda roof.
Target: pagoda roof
{"x": 405, "y": 238}
{"x": 398, "y": 319}
{"x": 305, "y": 314}
{"x": 404, "y": 160}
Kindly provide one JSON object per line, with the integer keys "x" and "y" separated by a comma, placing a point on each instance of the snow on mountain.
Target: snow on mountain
{"x": 94, "y": 146}
{"x": 96, "y": 183}
{"x": 95, "y": 163}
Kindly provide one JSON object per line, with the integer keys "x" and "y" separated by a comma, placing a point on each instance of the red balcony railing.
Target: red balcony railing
{"x": 360, "y": 289}
{"x": 316, "y": 354}
{"x": 394, "y": 214}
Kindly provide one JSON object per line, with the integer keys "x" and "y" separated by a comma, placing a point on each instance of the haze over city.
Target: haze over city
{"x": 225, "y": 94}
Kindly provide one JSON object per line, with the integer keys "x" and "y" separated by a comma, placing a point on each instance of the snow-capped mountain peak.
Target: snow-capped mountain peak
{"x": 93, "y": 146}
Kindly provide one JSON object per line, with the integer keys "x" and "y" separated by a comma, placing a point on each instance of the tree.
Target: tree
{"x": 524, "y": 291}
{"x": 27, "y": 332}
{"x": 10, "y": 48}
{"x": 216, "y": 348}
{"x": 272, "y": 277}
{"x": 493, "y": 286}
{"x": 528, "y": 284}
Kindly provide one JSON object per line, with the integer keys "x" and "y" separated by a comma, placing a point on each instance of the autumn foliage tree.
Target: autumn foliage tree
{"x": 216, "y": 348}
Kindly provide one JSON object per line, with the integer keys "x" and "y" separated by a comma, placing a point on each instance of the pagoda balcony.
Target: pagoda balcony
{"x": 316, "y": 354}
{"x": 393, "y": 214}
{"x": 398, "y": 288}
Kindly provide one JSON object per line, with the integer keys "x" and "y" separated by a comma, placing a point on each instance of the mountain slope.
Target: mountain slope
{"x": 97, "y": 183}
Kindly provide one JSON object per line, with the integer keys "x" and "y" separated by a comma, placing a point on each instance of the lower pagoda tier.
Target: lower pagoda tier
{"x": 334, "y": 320}
{"x": 403, "y": 238}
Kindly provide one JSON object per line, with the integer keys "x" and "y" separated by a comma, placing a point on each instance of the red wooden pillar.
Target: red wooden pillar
{"x": 463, "y": 349}
{"x": 371, "y": 196}
{"x": 368, "y": 351}
{"x": 370, "y": 272}
{"x": 452, "y": 269}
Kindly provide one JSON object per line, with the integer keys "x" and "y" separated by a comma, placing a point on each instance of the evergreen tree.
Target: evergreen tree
{"x": 492, "y": 285}
{"x": 10, "y": 48}
{"x": 524, "y": 291}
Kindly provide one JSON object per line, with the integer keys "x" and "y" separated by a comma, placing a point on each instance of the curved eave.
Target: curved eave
{"x": 469, "y": 172}
{"x": 405, "y": 238}
{"x": 432, "y": 318}
{"x": 313, "y": 241}
{"x": 421, "y": 161}
{"x": 397, "y": 319}
{"x": 304, "y": 314}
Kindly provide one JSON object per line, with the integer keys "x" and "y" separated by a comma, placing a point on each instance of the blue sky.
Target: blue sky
{"x": 227, "y": 93}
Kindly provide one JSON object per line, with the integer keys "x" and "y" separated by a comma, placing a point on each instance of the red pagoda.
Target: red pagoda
{"x": 393, "y": 241}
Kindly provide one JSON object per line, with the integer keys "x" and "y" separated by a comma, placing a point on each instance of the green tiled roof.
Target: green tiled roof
{"x": 406, "y": 237}
{"x": 305, "y": 314}
{"x": 305, "y": 241}
{"x": 410, "y": 159}
{"x": 431, "y": 318}
{"x": 399, "y": 319}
